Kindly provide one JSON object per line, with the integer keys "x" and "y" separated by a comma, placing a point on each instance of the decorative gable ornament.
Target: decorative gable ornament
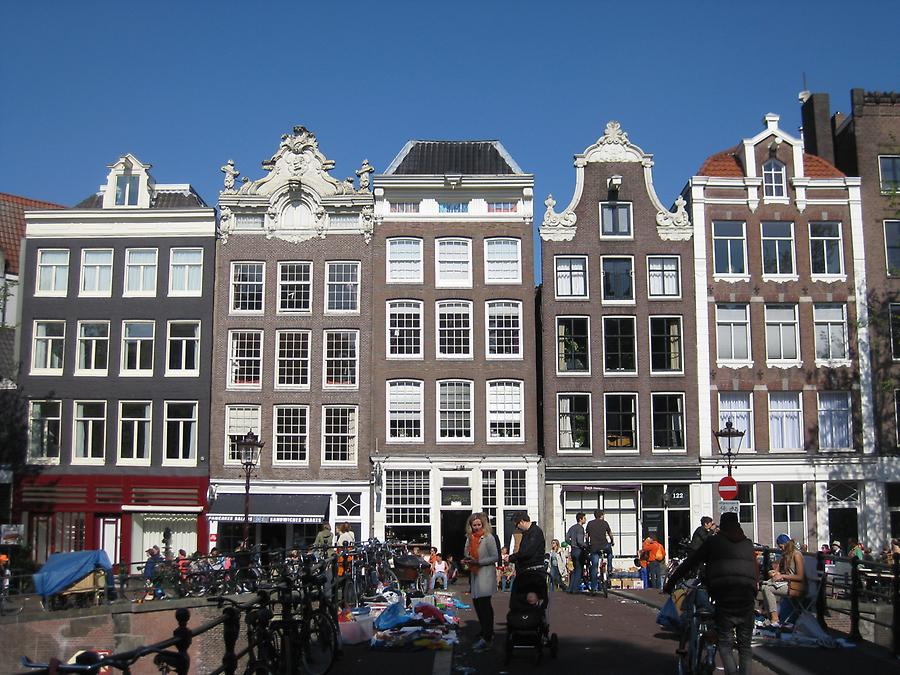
{"x": 297, "y": 198}
{"x": 557, "y": 226}
{"x": 613, "y": 146}
{"x": 674, "y": 226}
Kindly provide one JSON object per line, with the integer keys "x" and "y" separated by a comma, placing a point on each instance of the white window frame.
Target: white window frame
{"x": 782, "y": 362}
{"x": 54, "y": 292}
{"x": 572, "y": 373}
{"x": 420, "y": 266}
{"x": 819, "y": 321}
{"x": 684, "y": 426}
{"x": 44, "y": 459}
{"x": 887, "y": 249}
{"x": 438, "y": 410}
{"x": 630, "y": 211}
{"x": 731, "y": 276}
{"x": 779, "y": 275}
{"x": 581, "y": 450}
{"x": 734, "y": 363}
{"x": 681, "y": 345}
{"x": 328, "y": 266}
{"x": 278, "y": 358}
{"x": 849, "y": 420}
{"x": 186, "y": 293}
{"x": 354, "y": 453}
{"x": 611, "y": 450}
{"x": 774, "y": 179}
{"x": 230, "y": 380}
{"x": 587, "y": 288}
{"x": 453, "y": 206}
{"x": 403, "y": 207}
{"x": 664, "y": 296}
{"x": 232, "y": 283}
{"x": 192, "y": 460}
{"x": 782, "y": 415}
{"x": 276, "y": 436}
{"x": 255, "y": 425}
{"x": 80, "y": 340}
{"x": 441, "y": 282}
{"x": 309, "y": 284}
{"x": 419, "y": 385}
{"x": 603, "y": 298}
{"x": 519, "y": 413}
{"x": 488, "y": 280}
{"x": 142, "y": 293}
{"x": 633, "y": 319}
{"x": 145, "y": 461}
{"x": 82, "y": 293}
{"x": 183, "y": 372}
{"x": 415, "y": 306}
{"x": 747, "y": 444}
{"x": 92, "y": 461}
{"x": 137, "y": 372}
{"x": 801, "y": 504}
{"x": 488, "y": 306}
{"x": 840, "y": 275}
{"x": 881, "y": 176}
{"x": 44, "y": 369}
{"x": 498, "y": 206}
{"x": 437, "y": 332}
{"x": 325, "y": 359}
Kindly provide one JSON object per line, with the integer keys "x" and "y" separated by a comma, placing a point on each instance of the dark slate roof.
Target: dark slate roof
{"x": 12, "y": 225}
{"x": 477, "y": 158}
{"x": 161, "y": 200}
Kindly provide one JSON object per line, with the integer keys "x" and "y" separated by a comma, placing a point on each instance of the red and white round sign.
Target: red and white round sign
{"x": 213, "y": 536}
{"x": 728, "y": 488}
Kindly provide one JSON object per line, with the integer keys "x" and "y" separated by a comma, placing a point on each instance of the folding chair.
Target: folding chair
{"x": 789, "y": 609}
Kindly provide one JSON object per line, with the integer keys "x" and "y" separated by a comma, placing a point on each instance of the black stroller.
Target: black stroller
{"x": 527, "y": 623}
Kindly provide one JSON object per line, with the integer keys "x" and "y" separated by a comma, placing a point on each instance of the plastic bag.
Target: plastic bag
{"x": 668, "y": 617}
{"x": 392, "y": 617}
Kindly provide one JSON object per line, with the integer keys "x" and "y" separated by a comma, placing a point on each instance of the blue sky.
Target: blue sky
{"x": 187, "y": 85}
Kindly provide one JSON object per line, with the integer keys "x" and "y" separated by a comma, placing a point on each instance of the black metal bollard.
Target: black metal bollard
{"x": 895, "y": 588}
{"x": 854, "y": 599}
{"x": 230, "y": 631}
{"x": 821, "y": 603}
{"x": 183, "y": 633}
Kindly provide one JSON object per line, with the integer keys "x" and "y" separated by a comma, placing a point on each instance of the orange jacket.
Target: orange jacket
{"x": 652, "y": 551}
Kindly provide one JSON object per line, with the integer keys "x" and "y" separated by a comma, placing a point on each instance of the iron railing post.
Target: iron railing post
{"x": 230, "y": 631}
{"x": 821, "y": 603}
{"x": 854, "y": 599}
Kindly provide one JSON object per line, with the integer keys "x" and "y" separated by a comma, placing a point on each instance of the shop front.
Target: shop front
{"x": 425, "y": 501}
{"x": 123, "y": 515}
{"x": 285, "y": 516}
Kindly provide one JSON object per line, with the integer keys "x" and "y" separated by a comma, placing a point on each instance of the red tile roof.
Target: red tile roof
{"x": 12, "y": 225}
{"x": 816, "y": 167}
{"x": 723, "y": 164}
{"x": 727, "y": 164}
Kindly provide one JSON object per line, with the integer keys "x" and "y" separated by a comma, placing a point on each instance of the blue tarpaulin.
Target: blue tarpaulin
{"x": 64, "y": 569}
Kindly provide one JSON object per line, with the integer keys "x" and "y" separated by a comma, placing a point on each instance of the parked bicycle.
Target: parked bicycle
{"x": 699, "y": 642}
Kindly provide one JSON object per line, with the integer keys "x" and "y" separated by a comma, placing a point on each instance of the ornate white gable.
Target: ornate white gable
{"x": 298, "y": 198}
{"x": 614, "y": 146}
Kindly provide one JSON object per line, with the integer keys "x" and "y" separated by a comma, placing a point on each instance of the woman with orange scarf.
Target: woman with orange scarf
{"x": 481, "y": 556}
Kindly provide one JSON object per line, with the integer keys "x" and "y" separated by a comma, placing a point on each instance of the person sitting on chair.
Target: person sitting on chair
{"x": 787, "y": 580}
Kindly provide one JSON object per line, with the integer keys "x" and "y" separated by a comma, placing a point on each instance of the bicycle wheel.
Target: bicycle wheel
{"x": 319, "y": 645}
{"x": 135, "y": 588}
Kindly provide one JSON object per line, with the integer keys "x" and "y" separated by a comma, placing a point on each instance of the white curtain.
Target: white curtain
{"x": 834, "y": 420}
{"x": 784, "y": 422}
{"x": 566, "y": 439}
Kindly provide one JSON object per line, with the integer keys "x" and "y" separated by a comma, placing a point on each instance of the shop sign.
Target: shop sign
{"x": 730, "y": 506}
{"x": 236, "y": 518}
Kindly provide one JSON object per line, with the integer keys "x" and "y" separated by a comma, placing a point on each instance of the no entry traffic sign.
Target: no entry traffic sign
{"x": 728, "y": 488}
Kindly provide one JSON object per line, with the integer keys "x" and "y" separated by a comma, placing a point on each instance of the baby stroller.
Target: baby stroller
{"x": 527, "y": 623}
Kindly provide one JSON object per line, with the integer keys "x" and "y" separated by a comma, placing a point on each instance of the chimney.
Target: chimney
{"x": 815, "y": 116}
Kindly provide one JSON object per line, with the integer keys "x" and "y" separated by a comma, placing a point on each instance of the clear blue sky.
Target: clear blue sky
{"x": 187, "y": 85}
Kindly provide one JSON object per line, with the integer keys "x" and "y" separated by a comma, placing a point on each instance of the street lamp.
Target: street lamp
{"x": 729, "y": 434}
{"x": 248, "y": 450}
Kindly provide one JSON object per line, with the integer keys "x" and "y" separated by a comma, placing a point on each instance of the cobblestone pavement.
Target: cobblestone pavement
{"x": 596, "y": 635}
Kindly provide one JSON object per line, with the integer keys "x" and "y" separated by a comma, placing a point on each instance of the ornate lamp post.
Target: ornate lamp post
{"x": 729, "y": 435}
{"x": 248, "y": 451}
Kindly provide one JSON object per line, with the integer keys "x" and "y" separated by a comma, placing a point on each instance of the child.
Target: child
{"x": 439, "y": 571}
{"x": 532, "y": 598}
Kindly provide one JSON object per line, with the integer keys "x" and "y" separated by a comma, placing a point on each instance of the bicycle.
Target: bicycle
{"x": 8, "y": 607}
{"x": 696, "y": 654}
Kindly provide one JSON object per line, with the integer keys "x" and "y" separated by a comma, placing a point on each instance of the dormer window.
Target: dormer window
{"x": 127, "y": 190}
{"x": 773, "y": 178}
